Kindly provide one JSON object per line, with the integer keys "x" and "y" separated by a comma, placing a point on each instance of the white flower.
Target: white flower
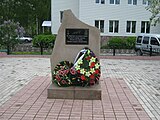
{"x": 82, "y": 71}
{"x": 92, "y": 70}
{"x": 77, "y": 67}
{"x": 89, "y": 52}
{"x": 80, "y": 61}
{"x": 88, "y": 74}
{"x": 97, "y": 65}
{"x": 93, "y": 59}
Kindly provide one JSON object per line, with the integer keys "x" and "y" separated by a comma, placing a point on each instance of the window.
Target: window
{"x": 100, "y": 24}
{"x": 154, "y": 41}
{"x": 131, "y": 27}
{"x": 139, "y": 39}
{"x": 133, "y": 2}
{"x": 61, "y": 16}
{"x": 97, "y": 1}
{"x": 146, "y": 40}
{"x": 114, "y": 26}
{"x": 145, "y": 27}
{"x": 146, "y": 2}
{"x": 100, "y": 1}
{"x": 114, "y": 1}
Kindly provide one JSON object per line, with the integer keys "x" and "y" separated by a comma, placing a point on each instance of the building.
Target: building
{"x": 112, "y": 17}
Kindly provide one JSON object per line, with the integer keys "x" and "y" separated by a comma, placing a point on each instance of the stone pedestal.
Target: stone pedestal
{"x": 80, "y": 93}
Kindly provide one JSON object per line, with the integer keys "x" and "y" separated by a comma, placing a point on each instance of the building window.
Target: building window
{"x": 61, "y": 16}
{"x": 145, "y": 27}
{"x": 100, "y": 24}
{"x": 100, "y": 1}
{"x": 114, "y": 1}
{"x": 146, "y": 2}
{"x": 131, "y": 27}
{"x": 114, "y": 26}
{"x": 133, "y": 2}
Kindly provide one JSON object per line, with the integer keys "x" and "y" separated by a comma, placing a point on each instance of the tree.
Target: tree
{"x": 154, "y": 8}
{"x": 9, "y": 30}
{"x": 44, "y": 41}
{"x": 30, "y": 13}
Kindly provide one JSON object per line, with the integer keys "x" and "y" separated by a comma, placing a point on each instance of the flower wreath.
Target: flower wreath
{"x": 61, "y": 74}
{"x": 84, "y": 72}
{"x": 88, "y": 68}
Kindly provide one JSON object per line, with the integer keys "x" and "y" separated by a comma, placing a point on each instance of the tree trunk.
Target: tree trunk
{"x": 8, "y": 49}
{"x": 41, "y": 50}
{"x": 37, "y": 26}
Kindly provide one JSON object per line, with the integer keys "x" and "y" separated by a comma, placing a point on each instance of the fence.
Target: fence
{"x": 117, "y": 51}
{"x": 29, "y": 48}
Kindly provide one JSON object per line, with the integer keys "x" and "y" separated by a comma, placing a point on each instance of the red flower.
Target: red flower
{"x": 66, "y": 71}
{"x": 92, "y": 65}
{"x": 88, "y": 58}
{"x": 92, "y": 82}
{"x": 91, "y": 76}
{"x": 97, "y": 71}
{"x": 63, "y": 82}
{"x": 61, "y": 72}
{"x": 78, "y": 71}
{"x": 58, "y": 78}
{"x": 83, "y": 77}
{"x": 72, "y": 71}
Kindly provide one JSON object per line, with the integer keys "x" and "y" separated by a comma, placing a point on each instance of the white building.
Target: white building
{"x": 112, "y": 17}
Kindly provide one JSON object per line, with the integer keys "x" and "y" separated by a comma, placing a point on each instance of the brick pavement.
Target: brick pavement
{"x": 118, "y": 103}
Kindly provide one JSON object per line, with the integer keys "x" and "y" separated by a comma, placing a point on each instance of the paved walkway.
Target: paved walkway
{"x": 15, "y": 73}
{"x": 119, "y": 78}
{"x": 142, "y": 77}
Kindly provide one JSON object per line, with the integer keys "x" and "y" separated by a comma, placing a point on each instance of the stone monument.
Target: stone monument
{"x": 74, "y": 35}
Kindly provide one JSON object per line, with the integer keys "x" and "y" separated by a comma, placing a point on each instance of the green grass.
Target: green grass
{"x": 30, "y": 53}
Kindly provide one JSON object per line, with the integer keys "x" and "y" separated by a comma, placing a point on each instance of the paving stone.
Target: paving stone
{"x": 120, "y": 78}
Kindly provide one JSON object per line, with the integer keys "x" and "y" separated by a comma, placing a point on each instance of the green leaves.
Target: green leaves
{"x": 26, "y": 12}
{"x": 154, "y": 8}
{"x": 9, "y": 30}
{"x": 121, "y": 43}
{"x": 44, "y": 41}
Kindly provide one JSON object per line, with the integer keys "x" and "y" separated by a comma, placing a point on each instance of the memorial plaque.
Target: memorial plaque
{"x": 77, "y": 36}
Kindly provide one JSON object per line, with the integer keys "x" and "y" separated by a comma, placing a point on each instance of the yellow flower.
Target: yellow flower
{"x": 92, "y": 70}
{"x": 97, "y": 66}
{"x": 88, "y": 74}
{"x": 77, "y": 67}
{"x": 93, "y": 59}
{"x": 82, "y": 71}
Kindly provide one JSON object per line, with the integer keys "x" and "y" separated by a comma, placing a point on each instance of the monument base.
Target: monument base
{"x": 80, "y": 93}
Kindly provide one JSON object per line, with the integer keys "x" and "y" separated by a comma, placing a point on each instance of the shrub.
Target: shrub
{"x": 44, "y": 41}
{"x": 116, "y": 43}
{"x": 130, "y": 42}
{"x": 121, "y": 43}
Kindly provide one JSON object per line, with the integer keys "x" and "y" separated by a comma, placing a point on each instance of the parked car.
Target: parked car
{"x": 147, "y": 43}
{"x": 25, "y": 39}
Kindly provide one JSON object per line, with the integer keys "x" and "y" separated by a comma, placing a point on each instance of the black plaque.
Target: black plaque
{"x": 77, "y": 36}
